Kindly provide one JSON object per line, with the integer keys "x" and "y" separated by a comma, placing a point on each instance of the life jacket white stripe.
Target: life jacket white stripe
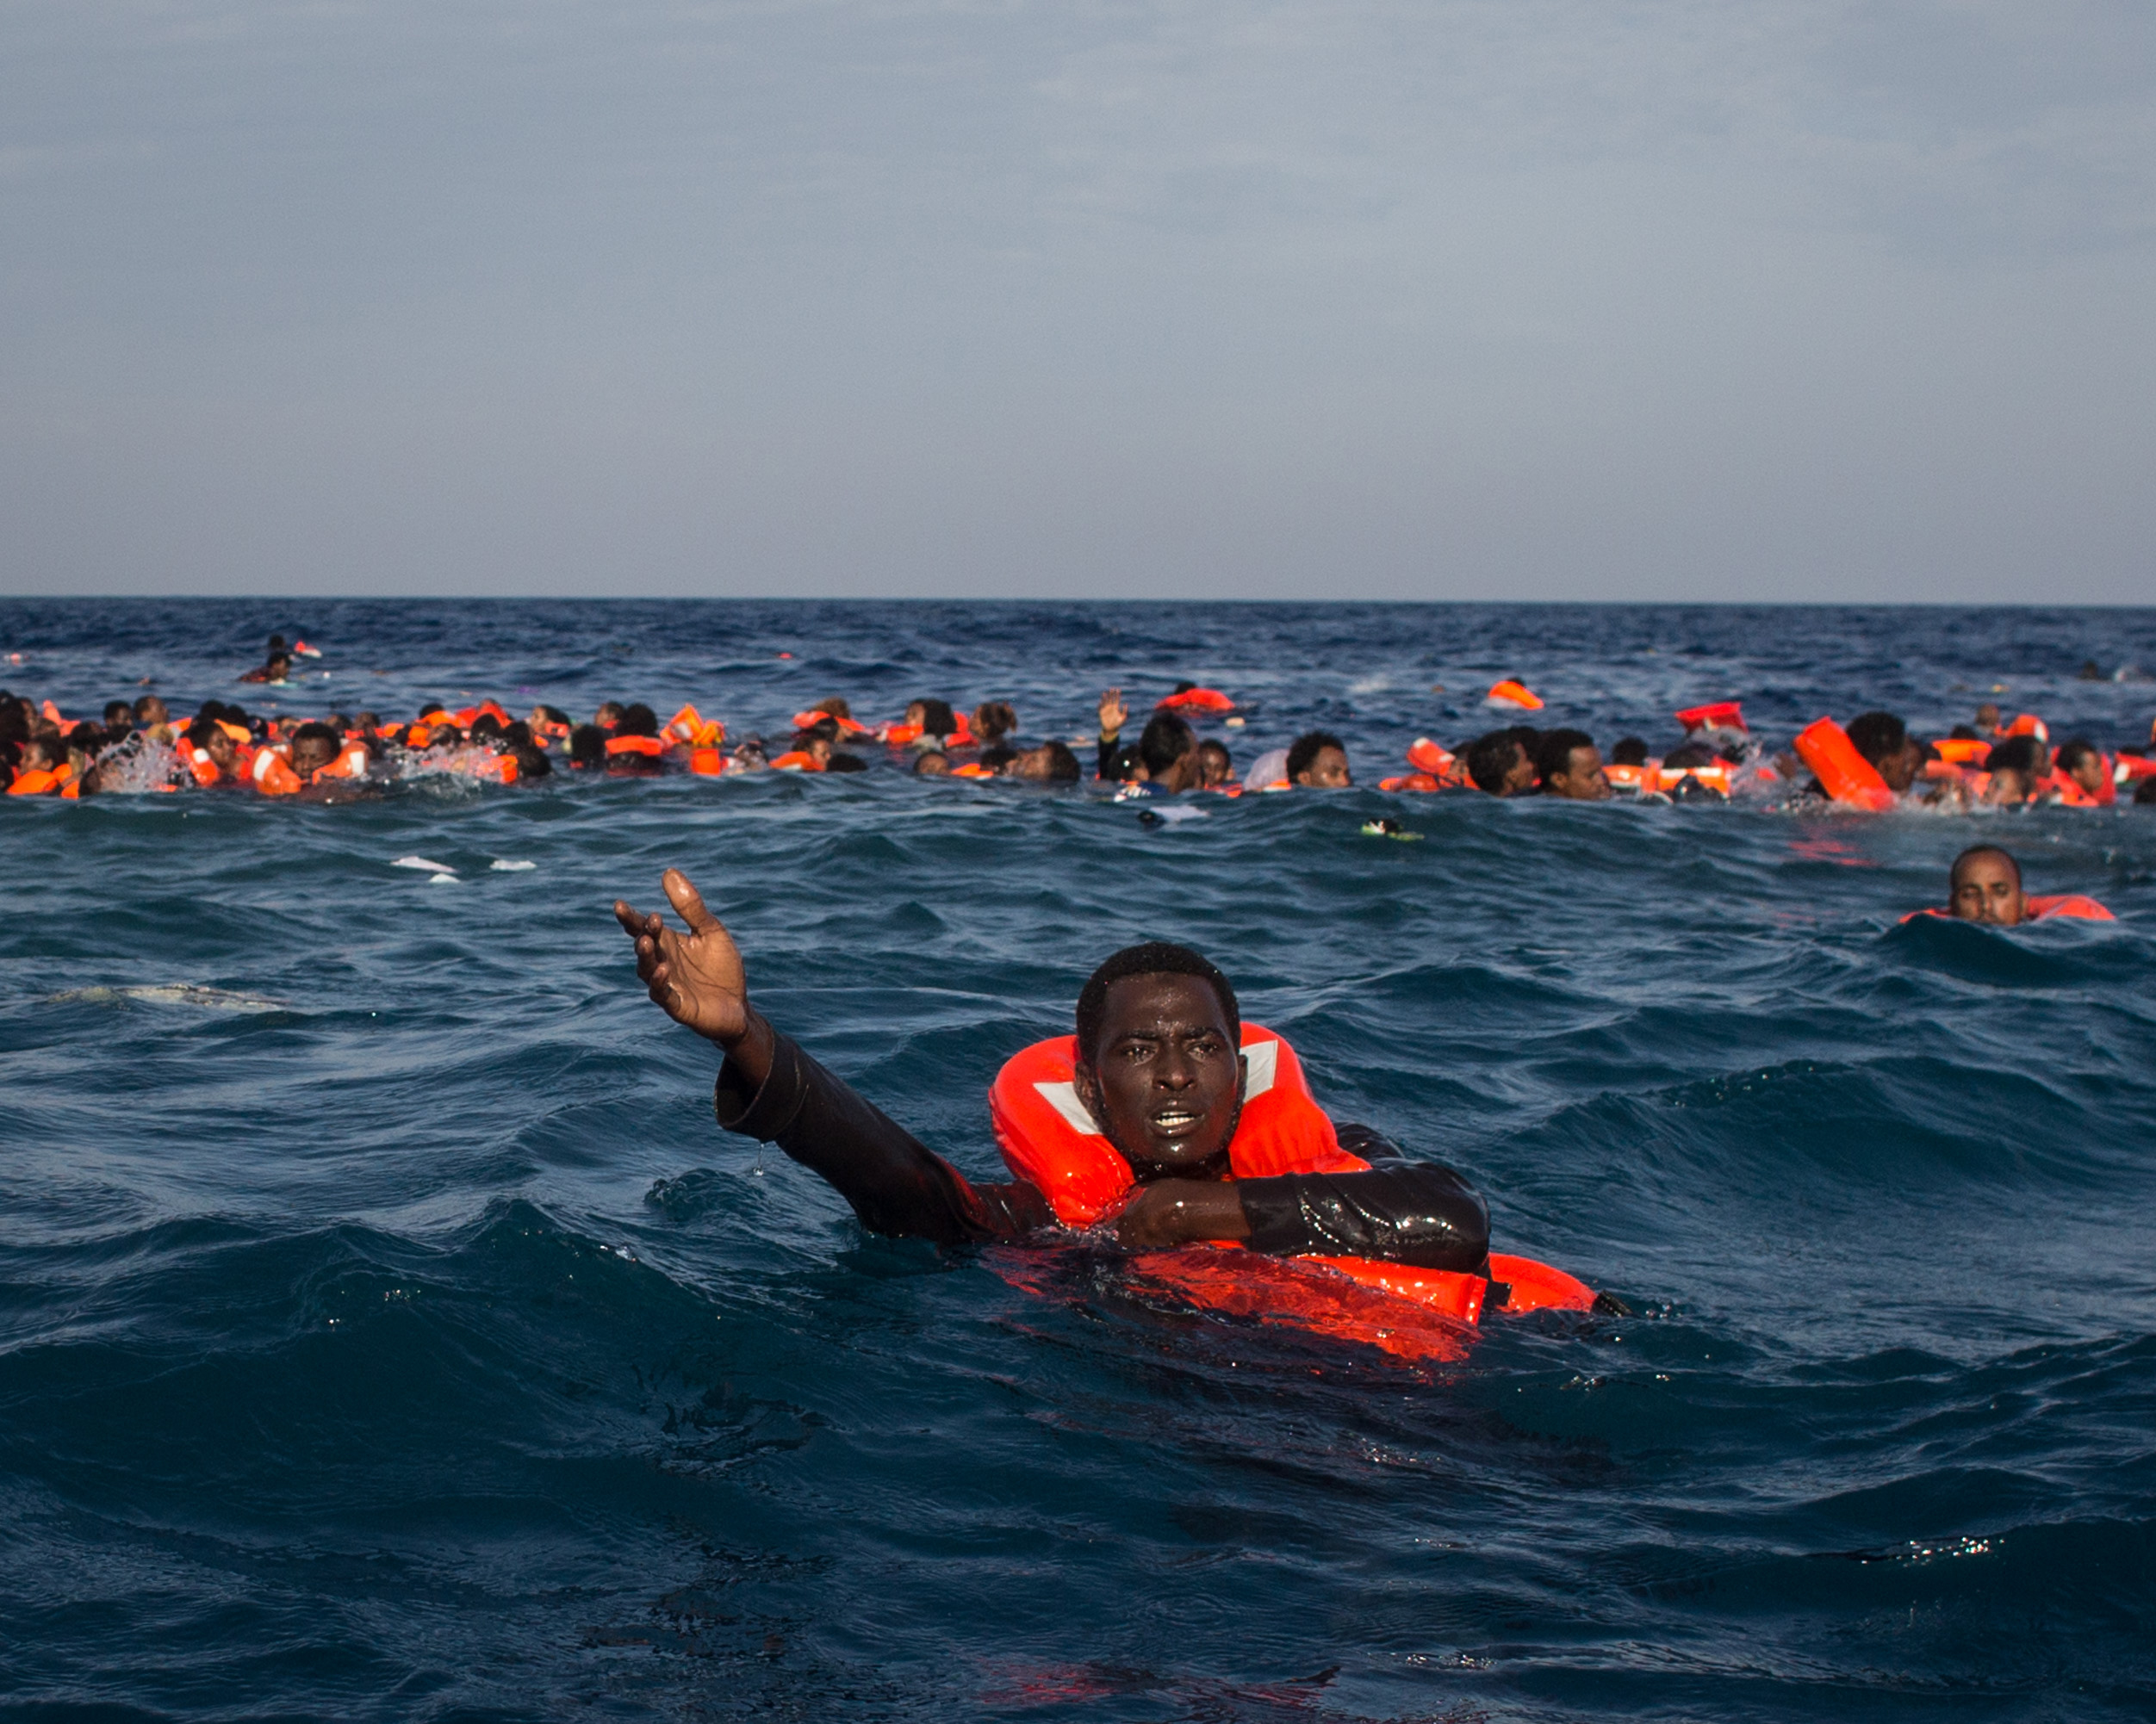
{"x": 1261, "y": 1062}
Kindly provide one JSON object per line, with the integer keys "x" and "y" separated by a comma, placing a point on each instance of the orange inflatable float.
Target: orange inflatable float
{"x": 1843, "y": 772}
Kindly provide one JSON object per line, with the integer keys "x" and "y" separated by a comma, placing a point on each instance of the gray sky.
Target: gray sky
{"x": 1321, "y": 298}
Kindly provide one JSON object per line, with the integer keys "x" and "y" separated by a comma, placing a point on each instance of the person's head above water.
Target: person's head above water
{"x": 1318, "y": 761}
{"x": 1158, "y": 1060}
{"x": 1569, "y": 766}
{"x": 931, "y": 763}
{"x": 1168, "y": 748}
{"x": 2079, "y": 761}
{"x": 313, "y": 746}
{"x": 1884, "y": 740}
{"x": 1215, "y": 765}
{"x": 935, "y": 717}
{"x": 1050, "y": 763}
{"x": 1498, "y": 765}
{"x": 1985, "y": 885}
{"x": 2016, "y": 767}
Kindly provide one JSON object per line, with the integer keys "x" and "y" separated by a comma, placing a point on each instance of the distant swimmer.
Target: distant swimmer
{"x": 1165, "y": 1121}
{"x": 276, "y": 669}
{"x": 1985, "y": 885}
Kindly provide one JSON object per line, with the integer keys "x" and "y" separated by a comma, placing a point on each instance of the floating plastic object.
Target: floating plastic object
{"x": 1517, "y": 695}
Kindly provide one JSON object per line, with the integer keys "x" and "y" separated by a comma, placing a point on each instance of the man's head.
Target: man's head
{"x": 313, "y": 746}
{"x": 207, "y": 734}
{"x": 1159, "y": 1064}
{"x": 279, "y": 667}
{"x": 2015, "y": 766}
{"x": 935, "y": 717}
{"x": 1629, "y": 751}
{"x": 1318, "y": 761}
{"x": 1169, "y": 749}
{"x": 1215, "y": 765}
{"x": 119, "y": 718}
{"x": 608, "y": 714}
{"x": 931, "y": 763}
{"x": 150, "y": 710}
{"x": 1051, "y": 763}
{"x": 1496, "y": 763}
{"x": 587, "y": 746}
{"x": 2078, "y": 761}
{"x": 1987, "y": 719}
{"x": 1985, "y": 885}
{"x": 1571, "y": 766}
{"x": 993, "y": 719}
{"x": 1884, "y": 740}
{"x": 637, "y": 720}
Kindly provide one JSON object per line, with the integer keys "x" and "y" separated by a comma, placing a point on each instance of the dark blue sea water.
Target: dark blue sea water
{"x": 389, "y": 1333}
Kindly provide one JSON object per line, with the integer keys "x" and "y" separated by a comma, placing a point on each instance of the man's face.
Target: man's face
{"x": 1028, "y": 763}
{"x": 1900, "y": 768}
{"x": 1327, "y": 770}
{"x": 1520, "y": 776}
{"x": 2008, "y": 788}
{"x": 1987, "y": 890}
{"x": 1582, "y": 780}
{"x": 310, "y": 755}
{"x": 1166, "y": 1079}
{"x": 1213, "y": 766}
{"x": 2088, "y": 773}
{"x": 819, "y": 750}
{"x": 220, "y": 749}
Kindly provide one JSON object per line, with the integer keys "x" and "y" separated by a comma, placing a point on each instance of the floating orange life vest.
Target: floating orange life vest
{"x": 1646, "y": 777}
{"x": 1843, "y": 772}
{"x": 1049, "y": 1140}
{"x": 796, "y": 760}
{"x": 649, "y": 747}
{"x": 1963, "y": 751}
{"x": 973, "y": 769}
{"x": 1510, "y": 694}
{"x": 1196, "y": 700}
{"x": 1720, "y": 714}
{"x": 351, "y": 763}
{"x": 707, "y": 763}
{"x": 2027, "y": 724}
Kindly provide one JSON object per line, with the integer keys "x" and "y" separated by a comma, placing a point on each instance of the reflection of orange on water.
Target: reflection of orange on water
{"x": 1829, "y": 850}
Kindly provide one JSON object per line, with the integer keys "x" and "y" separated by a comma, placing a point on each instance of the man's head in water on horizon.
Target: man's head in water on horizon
{"x": 1159, "y": 1064}
{"x": 1985, "y": 885}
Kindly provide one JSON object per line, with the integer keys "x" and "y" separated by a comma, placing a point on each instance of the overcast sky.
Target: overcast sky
{"x": 1314, "y": 298}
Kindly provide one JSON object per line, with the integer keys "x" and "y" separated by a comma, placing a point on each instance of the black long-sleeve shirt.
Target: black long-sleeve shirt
{"x": 1415, "y": 1213}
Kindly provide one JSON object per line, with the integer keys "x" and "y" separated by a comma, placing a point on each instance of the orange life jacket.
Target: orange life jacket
{"x": 500, "y": 769}
{"x": 2038, "y": 907}
{"x": 1667, "y": 779}
{"x": 1411, "y": 781}
{"x": 1843, "y": 772}
{"x": 1720, "y": 714}
{"x": 52, "y": 713}
{"x": 1646, "y": 777}
{"x": 272, "y": 774}
{"x": 796, "y": 760}
{"x": 973, "y": 769}
{"x": 706, "y": 763}
{"x": 2027, "y": 724}
{"x": 1510, "y": 694}
{"x": 1049, "y": 1140}
{"x": 649, "y": 747}
{"x": 351, "y": 763}
{"x": 690, "y": 727}
{"x": 42, "y": 781}
{"x": 847, "y": 727}
{"x": 898, "y": 735}
{"x": 1196, "y": 700}
{"x": 1961, "y": 751}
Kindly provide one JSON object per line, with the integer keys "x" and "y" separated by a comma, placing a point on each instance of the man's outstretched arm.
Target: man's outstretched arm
{"x": 770, "y": 1090}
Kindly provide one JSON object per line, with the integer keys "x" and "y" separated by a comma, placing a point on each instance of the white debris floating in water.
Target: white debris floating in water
{"x": 435, "y": 868}
{"x": 501, "y": 865}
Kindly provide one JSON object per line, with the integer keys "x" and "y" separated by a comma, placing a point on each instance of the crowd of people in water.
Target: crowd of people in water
{"x": 1182, "y": 746}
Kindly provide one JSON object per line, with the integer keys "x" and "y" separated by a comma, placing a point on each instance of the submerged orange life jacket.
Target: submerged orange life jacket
{"x": 796, "y": 760}
{"x": 847, "y": 727}
{"x": 1843, "y": 772}
{"x": 1049, "y": 1140}
{"x": 1510, "y": 694}
{"x": 2038, "y": 907}
{"x": 649, "y": 747}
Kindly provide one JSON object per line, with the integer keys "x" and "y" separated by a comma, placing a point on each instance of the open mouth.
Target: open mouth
{"x": 1175, "y": 1122}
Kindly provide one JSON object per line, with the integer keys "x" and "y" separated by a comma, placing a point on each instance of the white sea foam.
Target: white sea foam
{"x": 422, "y": 862}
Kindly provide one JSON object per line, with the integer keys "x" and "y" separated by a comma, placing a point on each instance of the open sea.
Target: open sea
{"x": 387, "y": 1331}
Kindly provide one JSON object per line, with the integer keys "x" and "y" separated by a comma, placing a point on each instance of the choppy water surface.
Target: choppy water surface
{"x": 386, "y": 1330}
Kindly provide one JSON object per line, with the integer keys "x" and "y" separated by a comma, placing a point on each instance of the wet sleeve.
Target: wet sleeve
{"x": 896, "y": 1185}
{"x": 1420, "y": 1213}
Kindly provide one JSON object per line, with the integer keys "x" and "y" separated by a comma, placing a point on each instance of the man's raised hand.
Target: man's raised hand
{"x": 1113, "y": 713}
{"x": 698, "y": 976}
